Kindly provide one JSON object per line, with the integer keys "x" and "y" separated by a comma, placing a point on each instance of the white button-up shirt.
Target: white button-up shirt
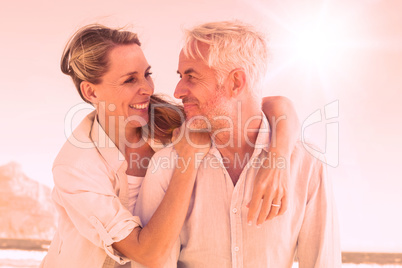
{"x": 215, "y": 232}
{"x": 91, "y": 196}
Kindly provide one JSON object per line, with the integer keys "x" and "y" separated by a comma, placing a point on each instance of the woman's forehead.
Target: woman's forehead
{"x": 127, "y": 58}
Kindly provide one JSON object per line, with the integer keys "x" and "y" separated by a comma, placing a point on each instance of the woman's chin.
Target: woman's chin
{"x": 138, "y": 121}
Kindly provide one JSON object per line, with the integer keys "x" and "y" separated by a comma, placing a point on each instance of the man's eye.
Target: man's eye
{"x": 148, "y": 74}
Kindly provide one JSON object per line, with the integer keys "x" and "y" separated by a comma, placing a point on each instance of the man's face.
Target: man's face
{"x": 199, "y": 91}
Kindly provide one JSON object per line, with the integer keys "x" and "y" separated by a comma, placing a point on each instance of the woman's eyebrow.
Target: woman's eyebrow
{"x": 135, "y": 72}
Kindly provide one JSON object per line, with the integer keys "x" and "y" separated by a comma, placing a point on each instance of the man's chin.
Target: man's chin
{"x": 199, "y": 124}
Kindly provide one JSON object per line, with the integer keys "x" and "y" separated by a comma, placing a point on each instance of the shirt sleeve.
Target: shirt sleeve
{"x": 153, "y": 189}
{"x": 318, "y": 242}
{"x": 88, "y": 200}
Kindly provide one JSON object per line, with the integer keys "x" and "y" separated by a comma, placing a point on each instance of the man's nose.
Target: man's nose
{"x": 181, "y": 91}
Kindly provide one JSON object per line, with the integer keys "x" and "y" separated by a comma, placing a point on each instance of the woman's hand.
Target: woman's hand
{"x": 191, "y": 143}
{"x": 270, "y": 187}
{"x": 271, "y": 182}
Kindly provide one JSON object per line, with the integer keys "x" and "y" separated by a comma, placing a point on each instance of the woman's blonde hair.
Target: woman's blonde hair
{"x": 85, "y": 58}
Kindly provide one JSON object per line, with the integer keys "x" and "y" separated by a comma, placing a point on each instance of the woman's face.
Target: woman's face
{"x": 125, "y": 90}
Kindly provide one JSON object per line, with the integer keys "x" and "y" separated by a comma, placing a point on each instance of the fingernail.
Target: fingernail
{"x": 249, "y": 223}
{"x": 259, "y": 225}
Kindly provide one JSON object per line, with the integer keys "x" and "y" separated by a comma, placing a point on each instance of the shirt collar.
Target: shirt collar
{"x": 262, "y": 141}
{"x": 106, "y": 146}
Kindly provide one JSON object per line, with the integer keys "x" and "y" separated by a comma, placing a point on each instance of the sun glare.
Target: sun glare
{"x": 319, "y": 43}
{"x": 314, "y": 38}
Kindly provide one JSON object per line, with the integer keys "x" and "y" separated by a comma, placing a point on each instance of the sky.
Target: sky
{"x": 338, "y": 59}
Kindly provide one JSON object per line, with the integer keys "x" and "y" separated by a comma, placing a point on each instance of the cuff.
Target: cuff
{"x": 115, "y": 234}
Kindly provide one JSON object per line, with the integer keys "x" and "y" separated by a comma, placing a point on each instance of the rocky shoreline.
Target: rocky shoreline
{"x": 24, "y": 244}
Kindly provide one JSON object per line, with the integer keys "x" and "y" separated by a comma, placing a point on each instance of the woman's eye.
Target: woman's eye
{"x": 148, "y": 74}
{"x": 130, "y": 80}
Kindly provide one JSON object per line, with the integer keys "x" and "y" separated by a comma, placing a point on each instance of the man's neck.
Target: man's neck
{"x": 236, "y": 143}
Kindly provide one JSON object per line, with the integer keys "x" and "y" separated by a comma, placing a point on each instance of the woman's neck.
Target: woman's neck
{"x": 130, "y": 143}
{"x": 121, "y": 134}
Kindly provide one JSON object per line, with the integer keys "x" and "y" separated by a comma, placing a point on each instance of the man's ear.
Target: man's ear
{"x": 238, "y": 79}
{"x": 88, "y": 92}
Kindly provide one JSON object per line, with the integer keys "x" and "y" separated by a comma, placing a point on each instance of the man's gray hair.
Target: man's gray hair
{"x": 232, "y": 44}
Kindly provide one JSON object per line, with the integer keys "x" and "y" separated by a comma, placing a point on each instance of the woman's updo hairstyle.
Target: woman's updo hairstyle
{"x": 85, "y": 57}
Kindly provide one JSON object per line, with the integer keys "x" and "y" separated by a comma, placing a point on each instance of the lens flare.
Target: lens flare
{"x": 318, "y": 43}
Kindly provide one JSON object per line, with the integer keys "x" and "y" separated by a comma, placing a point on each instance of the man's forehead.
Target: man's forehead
{"x": 196, "y": 49}
{"x": 186, "y": 61}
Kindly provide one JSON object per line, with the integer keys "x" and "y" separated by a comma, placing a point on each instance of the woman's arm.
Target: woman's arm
{"x": 152, "y": 244}
{"x": 271, "y": 183}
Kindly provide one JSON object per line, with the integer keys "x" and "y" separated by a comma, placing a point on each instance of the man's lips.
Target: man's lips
{"x": 189, "y": 104}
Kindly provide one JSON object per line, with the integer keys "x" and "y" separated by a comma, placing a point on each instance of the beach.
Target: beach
{"x": 32, "y": 259}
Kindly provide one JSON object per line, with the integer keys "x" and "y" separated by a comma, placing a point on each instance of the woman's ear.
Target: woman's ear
{"x": 238, "y": 79}
{"x": 88, "y": 92}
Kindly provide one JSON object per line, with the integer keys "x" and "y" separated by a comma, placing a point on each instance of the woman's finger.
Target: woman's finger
{"x": 275, "y": 207}
{"x": 254, "y": 203}
{"x": 265, "y": 210}
{"x": 284, "y": 205}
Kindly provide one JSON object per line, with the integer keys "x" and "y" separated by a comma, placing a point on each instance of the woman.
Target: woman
{"x": 96, "y": 185}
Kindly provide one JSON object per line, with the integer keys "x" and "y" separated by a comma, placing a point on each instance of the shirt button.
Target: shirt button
{"x": 236, "y": 249}
{"x": 234, "y": 210}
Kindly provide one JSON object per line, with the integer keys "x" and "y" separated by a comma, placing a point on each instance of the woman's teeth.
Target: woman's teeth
{"x": 139, "y": 106}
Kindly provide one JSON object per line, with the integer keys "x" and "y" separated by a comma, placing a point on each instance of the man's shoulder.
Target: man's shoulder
{"x": 162, "y": 163}
{"x": 308, "y": 169}
{"x": 159, "y": 172}
{"x": 307, "y": 157}
{"x": 306, "y": 162}
{"x": 168, "y": 151}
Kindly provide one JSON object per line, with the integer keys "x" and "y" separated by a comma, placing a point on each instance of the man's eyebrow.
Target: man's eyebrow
{"x": 188, "y": 71}
{"x": 131, "y": 73}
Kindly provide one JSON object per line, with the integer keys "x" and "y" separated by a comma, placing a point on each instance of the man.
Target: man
{"x": 221, "y": 67}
